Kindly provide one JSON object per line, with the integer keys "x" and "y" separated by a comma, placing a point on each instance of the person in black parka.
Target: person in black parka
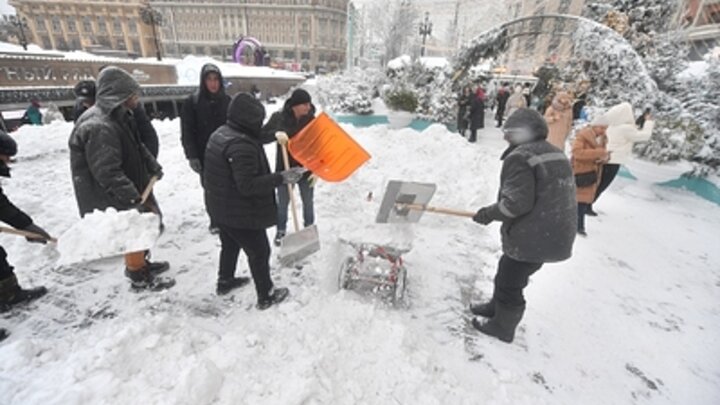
{"x": 537, "y": 207}
{"x": 10, "y": 291}
{"x": 240, "y": 197}
{"x": 477, "y": 113}
{"x": 202, "y": 113}
{"x": 465, "y": 100}
{"x": 295, "y": 115}
{"x": 111, "y": 167}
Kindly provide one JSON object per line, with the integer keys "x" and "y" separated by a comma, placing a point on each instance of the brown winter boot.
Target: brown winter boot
{"x": 503, "y": 324}
{"x": 142, "y": 276}
{"x": 11, "y": 293}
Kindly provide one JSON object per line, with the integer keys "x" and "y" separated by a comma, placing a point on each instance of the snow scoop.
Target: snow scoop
{"x": 304, "y": 242}
{"x": 405, "y": 202}
{"x": 109, "y": 233}
{"x": 32, "y": 235}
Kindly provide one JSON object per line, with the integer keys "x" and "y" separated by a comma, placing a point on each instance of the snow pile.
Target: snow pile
{"x": 108, "y": 233}
{"x": 644, "y": 282}
{"x": 188, "y": 70}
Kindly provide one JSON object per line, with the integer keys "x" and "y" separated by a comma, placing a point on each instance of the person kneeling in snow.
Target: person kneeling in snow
{"x": 10, "y": 292}
{"x": 111, "y": 167}
{"x": 536, "y": 205}
{"x": 240, "y": 197}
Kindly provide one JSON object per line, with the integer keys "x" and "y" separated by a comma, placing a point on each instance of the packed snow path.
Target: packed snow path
{"x": 631, "y": 318}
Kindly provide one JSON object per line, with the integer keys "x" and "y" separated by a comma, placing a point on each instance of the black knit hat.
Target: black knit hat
{"x": 85, "y": 90}
{"x": 8, "y": 146}
{"x": 298, "y": 97}
{"x": 529, "y": 119}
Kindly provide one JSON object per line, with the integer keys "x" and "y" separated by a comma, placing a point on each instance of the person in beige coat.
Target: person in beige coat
{"x": 589, "y": 153}
{"x": 559, "y": 118}
{"x": 515, "y": 102}
{"x": 622, "y": 134}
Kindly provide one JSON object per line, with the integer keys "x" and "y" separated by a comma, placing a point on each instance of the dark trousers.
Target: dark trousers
{"x": 499, "y": 115}
{"x": 473, "y": 135}
{"x": 257, "y": 249}
{"x": 6, "y": 270}
{"x": 306, "y": 194}
{"x": 609, "y": 171}
{"x": 581, "y": 211}
{"x": 511, "y": 278}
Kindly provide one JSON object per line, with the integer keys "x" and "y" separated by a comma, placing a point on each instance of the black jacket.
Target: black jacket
{"x": 110, "y": 166}
{"x": 477, "y": 113}
{"x": 147, "y": 133}
{"x": 285, "y": 121}
{"x": 12, "y": 215}
{"x": 239, "y": 186}
{"x": 202, "y": 113}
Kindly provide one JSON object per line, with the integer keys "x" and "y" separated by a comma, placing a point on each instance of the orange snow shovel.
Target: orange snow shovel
{"x": 327, "y": 150}
{"x": 304, "y": 242}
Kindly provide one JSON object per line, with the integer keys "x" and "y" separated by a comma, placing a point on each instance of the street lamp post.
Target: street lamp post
{"x": 20, "y": 24}
{"x": 425, "y": 31}
{"x": 153, "y": 18}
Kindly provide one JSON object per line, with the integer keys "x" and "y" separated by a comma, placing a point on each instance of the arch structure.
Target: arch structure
{"x": 245, "y": 46}
{"x": 609, "y": 60}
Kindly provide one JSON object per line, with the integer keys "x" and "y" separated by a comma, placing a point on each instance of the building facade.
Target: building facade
{"x": 307, "y": 34}
{"x": 87, "y": 25}
{"x": 544, "y": 40}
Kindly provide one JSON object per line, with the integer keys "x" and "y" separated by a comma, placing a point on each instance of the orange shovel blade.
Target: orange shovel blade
{"x": 326, "y": 150}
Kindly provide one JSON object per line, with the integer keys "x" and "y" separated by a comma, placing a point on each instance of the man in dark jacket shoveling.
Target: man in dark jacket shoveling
{"x": 240, "y": 197}
{"x": 537, "y": 208}
{"x": 111, "y": 167}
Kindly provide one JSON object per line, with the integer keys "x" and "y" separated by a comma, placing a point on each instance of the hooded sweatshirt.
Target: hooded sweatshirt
{"x": 202, "y": 113}
{"x": 110, "y": 165}
{"x": 622, "y": 133}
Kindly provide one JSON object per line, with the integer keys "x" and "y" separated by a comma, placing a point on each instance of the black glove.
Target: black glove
{"x": 195, "y": 165}
{"x": 36, "y": 229}
{"x": 159, "y": 174}
{"x": 293, "y": 175}
{"x": 483, "y": 216}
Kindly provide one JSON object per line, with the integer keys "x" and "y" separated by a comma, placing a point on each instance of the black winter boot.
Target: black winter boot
{"x": 503, "y": 324}
{"x": 276, "y": 296}
{"x": 156, "y": 268}
{"x": 145, "y": 280}
{"x": 3, "y": 334}
{"x": 486, "y": 309}
{"x": 11, "y": 293}
{"x": 224, "y": 286}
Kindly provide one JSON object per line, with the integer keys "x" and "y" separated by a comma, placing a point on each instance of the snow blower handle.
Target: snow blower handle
{"x": 286, "y": 162}
{"x": 437, "y": 210}
{"x": 31, "y": 235}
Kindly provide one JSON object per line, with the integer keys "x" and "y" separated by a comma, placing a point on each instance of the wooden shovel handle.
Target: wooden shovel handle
{"x": 148, "y": 189}
{"x": 286, "y": 162}
{"x": 32, "y": 235}
{"x": 437, "y": 210}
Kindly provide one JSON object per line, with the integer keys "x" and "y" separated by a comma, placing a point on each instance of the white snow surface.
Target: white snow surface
{"x": 188, "y": 70}
{"x": 632, "y": 318}
{"x": 108, "y": 233}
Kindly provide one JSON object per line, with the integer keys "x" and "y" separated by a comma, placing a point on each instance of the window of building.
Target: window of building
{"x": 321, "y": 57}
{"x": 132, "y": 26}
{"x": 87, "y": 25}
{"x": 46, "y": 42}
{"x": 289, "y": 54}
{"x": 40, "y": 24}
{"x": 121, "y": 44}
{"x": 101, "y": 24}
{"x": 117, "y": 26}
{"x": 71, "y": 24}
{"x": 56, "y": 24}
{"x": 136, "y": 46}
{"x": 305, "y": 55}
{"x": 564, "y": 6}
{"x": 75, "y": 43}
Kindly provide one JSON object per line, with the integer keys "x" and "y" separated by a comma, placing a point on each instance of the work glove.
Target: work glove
{"x": 195, "y": 165}
{"x": 483, "y": 216}
{"x": 282, "y": 137}
{"x": 293, "y": 175}
{"x": 36, "y": 229}
{"x": 312, "y": 180}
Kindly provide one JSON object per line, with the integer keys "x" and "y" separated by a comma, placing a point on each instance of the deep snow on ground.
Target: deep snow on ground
{"x": 631, "y": 318}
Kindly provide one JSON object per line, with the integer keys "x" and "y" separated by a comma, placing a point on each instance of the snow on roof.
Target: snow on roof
{"x": 188, "y": 70}
{"x": 8, "y": 50}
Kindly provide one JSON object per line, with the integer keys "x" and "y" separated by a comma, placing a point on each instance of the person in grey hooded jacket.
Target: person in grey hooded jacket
{"x": 536, "y": 205}
{"x": 111, "y": 167}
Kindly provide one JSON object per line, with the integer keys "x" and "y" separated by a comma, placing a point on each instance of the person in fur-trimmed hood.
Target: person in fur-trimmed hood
{"x": 536, "y": 205}
{"x": 559, "y": 117}
{"x": 589, "y": 154}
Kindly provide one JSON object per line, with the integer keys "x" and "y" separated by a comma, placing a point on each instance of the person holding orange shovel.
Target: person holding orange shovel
{"x": 283, "y": 125}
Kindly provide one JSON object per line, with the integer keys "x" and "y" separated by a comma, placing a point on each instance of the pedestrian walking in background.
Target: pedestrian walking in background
{"x": 111, "y": 167}
{"x": 465, "y": 100}
{"x": 502, "y": 97}
{"x": 515, "y": 101}
{"x": 240, "y": 197}
{"x": 477, "y": 113}
{"x": 32, "y": 115}
{"x": 559, "y": 119}
{"x": 536, "y": 205}
{"x": 589, "y": 154}
{"x": 52, "y": 114}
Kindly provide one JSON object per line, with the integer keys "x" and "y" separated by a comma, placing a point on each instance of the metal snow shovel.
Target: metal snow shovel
{"x": 304, "y": 242}
{"x": 33, "y": 235}
{"x": 405, "y": 202}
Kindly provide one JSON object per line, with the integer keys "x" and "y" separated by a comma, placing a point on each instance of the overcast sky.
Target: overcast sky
{"x": 5, "y": 9}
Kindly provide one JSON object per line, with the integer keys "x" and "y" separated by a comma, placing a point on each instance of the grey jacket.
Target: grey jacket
{"x": 536, "y": 204}
{"x": 110, "y": 166}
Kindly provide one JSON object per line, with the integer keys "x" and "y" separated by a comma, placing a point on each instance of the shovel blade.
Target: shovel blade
{"x": 398, "y": 193}
{"x": 299, "y": 245}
